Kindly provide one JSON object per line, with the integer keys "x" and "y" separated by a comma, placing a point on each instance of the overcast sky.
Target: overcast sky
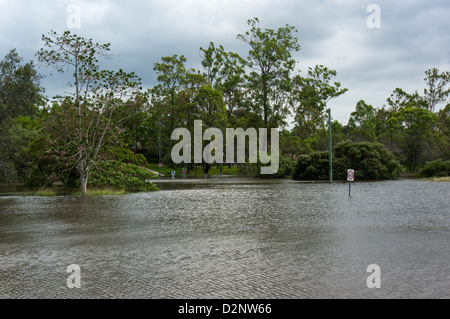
{"x": 372, "y": 57}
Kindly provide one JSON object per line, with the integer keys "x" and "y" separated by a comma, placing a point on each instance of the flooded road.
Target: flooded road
{"x": 230, "y": 238}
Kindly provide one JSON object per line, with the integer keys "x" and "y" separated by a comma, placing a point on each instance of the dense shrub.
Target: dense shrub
{"x": 117, "y": 175}
{"x": 125, "y": 155}
{"x": 285, "y": 168}
{"x": 312, "y": 167}
{"x": 371, "y": 161}
{"x": 436, "y": 168}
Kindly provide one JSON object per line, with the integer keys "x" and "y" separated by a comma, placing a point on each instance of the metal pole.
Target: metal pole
{"x": 329, "y": 146}
{"x": 350, "y": 189}
{"x": 221, "y": 163}
{"x": 159, "y": 150}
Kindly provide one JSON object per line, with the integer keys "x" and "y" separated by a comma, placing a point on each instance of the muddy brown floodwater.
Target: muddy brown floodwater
{"x": 230, "y": 238}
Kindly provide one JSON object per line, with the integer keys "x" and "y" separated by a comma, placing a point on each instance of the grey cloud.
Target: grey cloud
{"x": 370, "y": 62}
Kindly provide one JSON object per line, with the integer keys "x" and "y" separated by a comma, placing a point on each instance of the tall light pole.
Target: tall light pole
{"x": 159, "y": 150}
{"x": 221, "y": 162}
{"x": 329, "y": 146}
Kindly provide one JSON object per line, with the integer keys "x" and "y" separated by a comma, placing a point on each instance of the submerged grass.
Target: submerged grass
{"x": 56, "y": 191}
{"x": 438, "y": 179}
{"x": 45, "y": 192}
{"x": 103, "y": 192}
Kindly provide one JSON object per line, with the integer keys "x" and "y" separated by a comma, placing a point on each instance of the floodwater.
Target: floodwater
{"x": 230, "y": 238}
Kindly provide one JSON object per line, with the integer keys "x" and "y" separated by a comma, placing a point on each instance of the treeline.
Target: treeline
{"x": 109, "y": 116}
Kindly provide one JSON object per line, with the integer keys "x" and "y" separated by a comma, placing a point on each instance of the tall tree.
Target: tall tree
{"x": 400, "y": 99}
{"x": 88, "y": 122}
{"x": 311, "y": 95}
{"x": 225, "y": 72}
{"x": 271, "y": 63}
{"x": 416, "y": 133}
{"x": 442, "y": 134}
{"x": 437, "y": 88}
{"x": 362, "y": 122}
{"x": 20, "y": 89}
{"x": 171, "y": 73}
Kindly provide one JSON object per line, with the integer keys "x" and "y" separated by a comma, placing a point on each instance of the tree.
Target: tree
{"x": 416, "y": 133}
{"x": 20, "y": 98}
{"x": 437, "y": 88}
{"x": 362, "y": 122}
{"x": 400, "y": 99}
{"x": 441, "y": 136}
{"x": 371, "y": 161}
{"x": 88, "y": 123}
{"x": 310, "y": 97}
{"x": 225, "y": 72}
{"x": 20, "y": 90}
{"x": 212, "y": 111}
{"x": 171, "y": 73}
{"x": 15, "y": 139}
{"x": 270, "y": 60}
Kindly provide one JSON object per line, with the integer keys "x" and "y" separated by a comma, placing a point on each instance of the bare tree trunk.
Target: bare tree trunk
{"x": 84, "y": 174}
{"x": 83, "y": 180}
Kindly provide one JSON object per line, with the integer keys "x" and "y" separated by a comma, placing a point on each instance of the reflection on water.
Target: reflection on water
{"x": 230, "y": 238}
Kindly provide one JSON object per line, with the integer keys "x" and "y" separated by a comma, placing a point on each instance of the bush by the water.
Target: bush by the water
{"x": 312, "y": 167}
{"x": 285, "y": 168}
{"x": 436, "y": 168}
{"x": 125, "y": 155}
{"x": 371, "y": 161}
{"x": 117, "y": 175}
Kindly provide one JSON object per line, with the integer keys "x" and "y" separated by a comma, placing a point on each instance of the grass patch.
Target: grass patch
{"x": 102, "y": 192}
{"x": 56, "y": 191}
{"x": 165, "y": 170}
{"x": 438, "y": 179}
{"x": 214, "y": 170}
{"x": 45, "y": 192}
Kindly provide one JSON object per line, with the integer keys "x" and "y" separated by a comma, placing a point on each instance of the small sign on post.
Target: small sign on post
{"x": 173, "y": 174}
{"x": 184, "y": 172}
{"x": 350, "y": 179}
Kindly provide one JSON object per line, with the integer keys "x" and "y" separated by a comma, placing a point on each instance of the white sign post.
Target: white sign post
{"x": 350, "y": 178}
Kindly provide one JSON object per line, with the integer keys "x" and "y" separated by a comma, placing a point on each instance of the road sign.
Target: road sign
{"x": 160, "y": 164}
{"x": 350, "y": 175}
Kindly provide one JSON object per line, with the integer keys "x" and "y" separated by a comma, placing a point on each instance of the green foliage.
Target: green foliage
{"x": 125, "y": 155}
{"x": 314, "y": 166}
{"x": 87, "y": 125}
{"x": 20, "y": 90}
{"x": 108, "y": 117}
{"x": 122, "y": 176}
{"x": 416, "y": 135}
{"x": 371, "y": 161}
{"x": 15, "y": 138}
{"x": 285, "y": 169}
{"x": 47, "y": 166}
{"x": 437, "y": 168}
{"x": 271, "y": 62}
{"x": 310, "y": 96}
